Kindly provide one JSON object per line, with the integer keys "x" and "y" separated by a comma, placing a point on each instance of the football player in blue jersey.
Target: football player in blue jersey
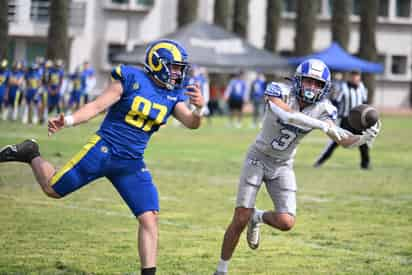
{"x": 4, "y": 76}
{"x": 33, "y": 81}
{"x": 138, "y": 102}
{"x": 13, "y": 94}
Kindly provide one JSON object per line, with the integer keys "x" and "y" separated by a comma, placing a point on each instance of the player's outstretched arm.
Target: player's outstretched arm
{"x": 368, "y": 136}
{"x": 109, "y": 96}
{"x": 287, "y": 115}
{"x": 190, "y": 119}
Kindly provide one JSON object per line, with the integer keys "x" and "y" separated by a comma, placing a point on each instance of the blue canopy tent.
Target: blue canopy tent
{"x": 338, "y": 59}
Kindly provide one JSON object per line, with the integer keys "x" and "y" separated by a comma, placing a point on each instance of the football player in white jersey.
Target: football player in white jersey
{"x": 270, "y": 157}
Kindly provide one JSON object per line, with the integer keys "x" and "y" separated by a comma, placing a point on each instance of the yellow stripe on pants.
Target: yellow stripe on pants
{"x": 69, "y": 165}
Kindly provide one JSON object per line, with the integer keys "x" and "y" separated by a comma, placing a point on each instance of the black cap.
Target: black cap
{"x": 355, "y": 71}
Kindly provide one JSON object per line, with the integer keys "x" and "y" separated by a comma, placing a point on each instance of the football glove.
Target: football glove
{"x": 368, "y": 136}
{"x": 371, "y": 133}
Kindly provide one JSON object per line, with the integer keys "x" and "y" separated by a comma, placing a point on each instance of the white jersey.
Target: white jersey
{"x": 279, "y": 140}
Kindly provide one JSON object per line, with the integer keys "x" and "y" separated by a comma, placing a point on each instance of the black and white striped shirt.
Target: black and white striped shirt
{"x": 350, "y": 96}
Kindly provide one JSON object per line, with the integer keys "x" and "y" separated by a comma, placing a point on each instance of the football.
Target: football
{"x": 362, "y": 117}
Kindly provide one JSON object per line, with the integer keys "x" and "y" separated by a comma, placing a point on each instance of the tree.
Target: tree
{"x": 273, "y": 11}
{"x": 4, "y": 28}
{"x": 367, "y": 43}
{"x": 222, "y": 16}
{"x": 58, "y": 42}
{"x": 223, "y": 13}
{"x": 241, "y": 17}
{"x": 186, "y": 12}
{"x": 305, "y": 24}
{"x": 340, "y": 25}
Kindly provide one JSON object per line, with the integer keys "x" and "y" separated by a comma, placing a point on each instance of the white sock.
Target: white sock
{"x": 222, "y": 266}
{"x": 258, "y": 215}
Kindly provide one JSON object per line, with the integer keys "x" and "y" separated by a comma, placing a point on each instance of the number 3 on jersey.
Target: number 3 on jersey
{"x": 284, "y": 140}
{"x": 139, "y": 118}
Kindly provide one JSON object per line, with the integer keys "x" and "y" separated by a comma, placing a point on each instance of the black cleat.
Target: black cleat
{"x": 22, "y": 152}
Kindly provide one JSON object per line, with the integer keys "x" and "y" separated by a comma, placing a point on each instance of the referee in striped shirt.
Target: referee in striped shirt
{"x": 352, "y": 94}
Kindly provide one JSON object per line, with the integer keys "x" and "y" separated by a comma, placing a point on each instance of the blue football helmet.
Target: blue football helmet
{"x": 160, "y": 55}
{"x": 314, "y": 69}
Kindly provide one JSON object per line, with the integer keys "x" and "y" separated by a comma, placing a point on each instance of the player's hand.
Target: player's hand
{"x": 337, "y": 133}
{"x": 55, "y": 124}
{"x": 371, "y": 133}
{"x": 374, "y": 130}
{"x": 195, "y": 96}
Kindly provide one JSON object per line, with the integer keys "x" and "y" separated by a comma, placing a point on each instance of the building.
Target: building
{"x": 99, "y": 29}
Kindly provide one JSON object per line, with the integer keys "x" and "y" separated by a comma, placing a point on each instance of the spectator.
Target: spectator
{"x": 235, "y": 95}
{"x": 90, "y": 81}
{"x": 257, "y": 90}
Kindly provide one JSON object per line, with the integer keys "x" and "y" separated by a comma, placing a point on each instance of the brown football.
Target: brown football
{"x": 363, "y": 116}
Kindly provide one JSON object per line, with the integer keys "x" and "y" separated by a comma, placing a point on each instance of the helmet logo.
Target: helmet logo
{"x": 177, "y": 56}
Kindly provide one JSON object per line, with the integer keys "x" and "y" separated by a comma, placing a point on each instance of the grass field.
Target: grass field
{"x": 349, "y": 221}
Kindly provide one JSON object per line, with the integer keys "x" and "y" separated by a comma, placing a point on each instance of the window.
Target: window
{"x": 289, "y": 6}
{"x": 12, "y": 7}
{"x": 39, "y": 10}
{"x": 383, "y": 9}
{"x": 145, "y": 2}
{"x": 403, "y": 8}
{"x": 137, "y": 2}
{"x": 113, "y": 50}
{"x": 399, "y": 64}
{"x": 356, "y": 7}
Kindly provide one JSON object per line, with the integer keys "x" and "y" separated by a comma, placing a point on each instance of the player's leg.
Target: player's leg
{"x": 283, "y": 193}
{"x": 282, "y": 190}
{"x": 249, "y": 184}
{"x": 134, "y": 183}
{"x": 364, "y": 152}
{"x": 81, "y": 169}
{"x": 147, "y": 240}
{"x": 327, "y": 153}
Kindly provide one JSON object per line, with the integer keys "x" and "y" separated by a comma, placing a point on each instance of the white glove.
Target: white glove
{"x": 371, "y": 133}
{"x": 368, "y": 136}
{"x": 336, "y": 132}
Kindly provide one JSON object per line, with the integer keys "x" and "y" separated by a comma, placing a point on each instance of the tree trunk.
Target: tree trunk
{"x": 367, "y": 43}
{"x": 4, "y": 28}
{"x": 58, "y": 41}
{"x": 223, "y": 13}
{"x": 186, "y": 12}
{"x": 273, "y": 10}
{"x": 222, "y": 16}
{"x": 241, "y": 17}
{"x": 305, "y": 24}
{"x": 340, "y": 24}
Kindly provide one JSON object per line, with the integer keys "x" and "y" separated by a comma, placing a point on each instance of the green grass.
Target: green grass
{"x": 349, "y": 221}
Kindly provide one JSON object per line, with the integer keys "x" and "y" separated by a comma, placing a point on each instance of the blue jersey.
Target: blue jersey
{"x": 4, "y": 75}
{"x": 237, "y": 89}
{"x": 258, "y": 90}
{"x": 33, "y": 80}
{"x": 141, "y": 110}
{"x": 55, "y": 76}
{"x": 79, "y": 82}
{"x": 15, "y": 76}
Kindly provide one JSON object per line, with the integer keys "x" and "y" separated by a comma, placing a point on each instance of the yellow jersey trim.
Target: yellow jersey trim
{"x": 78, "y": 157}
